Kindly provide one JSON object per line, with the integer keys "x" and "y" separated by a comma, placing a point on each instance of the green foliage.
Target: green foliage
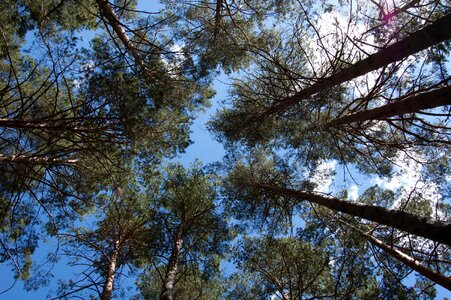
{"x": 226, "y": 37}
{"x": 124, "y": 231}
{"x": 267, "y": 108}
{"x": 71, "y": 118}
{"x": 86, "y": 133}
{"x": 188, "y": 203}
{"x": 192, "y": 285}
{"x": 297, "y": 269}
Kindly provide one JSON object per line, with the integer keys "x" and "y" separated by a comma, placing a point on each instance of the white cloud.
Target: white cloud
{"x": 407, "y": 172}
{"x": 407, "y": 180}
{"x": 353, "y": 192}
{"x": 336, "y": 34}
{"x": 323, "y": 175}
{"x": 174, "y": 60}
{"x": 76, "y": 83}
{"x": 88, "y": 66}
{"x": 377, "y": 180}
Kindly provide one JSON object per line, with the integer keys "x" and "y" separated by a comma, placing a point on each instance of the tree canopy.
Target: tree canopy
{"x": 336, "y": 177}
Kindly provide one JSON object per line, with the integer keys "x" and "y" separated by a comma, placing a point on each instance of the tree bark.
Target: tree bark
{"x": 430, "y": 35}
{"x": 37, "y": 160}
{"x": 113, "y": 20}
{"x": 432, "y": 99}
{"x": 218, "y": 18}
{"x": 430, "y": 229}
{"x": 48, "y": 126}
{"x": 407, "y": 260}
{"x": 167, "y": 292}
{"x": 385, "y": 17}
{"x": 108, "y": 287}
{"x": 279, "y": 287}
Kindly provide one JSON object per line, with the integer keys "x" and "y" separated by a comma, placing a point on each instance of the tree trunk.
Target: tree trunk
{"x": 110, "y": 15}
{"x": 407, "y": 260}
{"x": 37, "y": 160}
{"x": 218, "y": 18}
{"x": 167, "y": 292}
{"x": 274, "y": 280}
{"x": 108, "y": 287}
{"x": 53, "y": 125}
{"x": 387, "y": 16}
{"x": 430, "y": 35}
{"x": 432, "y": 99}
{"x": 434, "y": 230}
{"x": 279, "y": 287}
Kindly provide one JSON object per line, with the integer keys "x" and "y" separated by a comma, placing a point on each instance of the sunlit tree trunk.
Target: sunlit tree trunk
{"x": 430, "y": 35}
{"x": 54, "y": 125}
{"x": 432, "y": 99}
{"x": 37, "y": 160}
{"x": 407, "y": 260}
{"x": 280, "y": 289}
{"x": 113, "y": 21}
{"x": 108, "y": 287}
{"x": 434, "y": 230}
{"x": 167, "y": 292}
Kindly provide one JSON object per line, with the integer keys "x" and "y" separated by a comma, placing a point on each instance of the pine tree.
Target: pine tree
{"x": 196, "y": 232}
{"x": 71, "y": 117}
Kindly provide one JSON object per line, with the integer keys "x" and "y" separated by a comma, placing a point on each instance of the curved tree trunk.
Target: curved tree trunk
{"x": 108, "y": 287}
{"x": 430, "y": 35}
{"x": 407, "y": 260}
{"x": 430, "y": 229}
{"x": 432, "y": 99}
{"x": 167, "y": 292}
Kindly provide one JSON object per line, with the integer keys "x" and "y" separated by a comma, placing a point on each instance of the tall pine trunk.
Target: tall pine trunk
{"x": 53, "y": 125}
{"x": 167, "y": 292}
{"x": 108, "y": 287}
{"x": 110, "y": 15}
{"x": 37, "y": 160}
{"x": 432, "y": 99}
{"x": 406, "y": 259}
{"x": 430, "y": 35}
{"x": 434, "y": 230}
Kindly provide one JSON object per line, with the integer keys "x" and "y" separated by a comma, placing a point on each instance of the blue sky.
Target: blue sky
{"x": 204, "y": 147}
